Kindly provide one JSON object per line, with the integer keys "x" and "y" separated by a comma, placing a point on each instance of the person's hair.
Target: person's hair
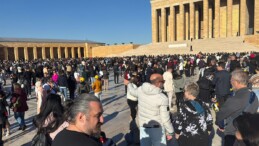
{"x": 38, "y": 84}
{"x": 16, "y": 86}
{"x": 222, "y": 64}
{"x": 247, "y": 125}
{"x": 80, "y": 105}
{"x": 240, "y": 76}
{"x": 192, "y": 88}
{"x": 52, "y": 106}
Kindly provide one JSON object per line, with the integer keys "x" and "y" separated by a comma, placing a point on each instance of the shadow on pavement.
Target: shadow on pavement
{"x": 110, "y": 117}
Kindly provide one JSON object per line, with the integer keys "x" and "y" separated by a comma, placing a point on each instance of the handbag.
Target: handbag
{"x": 41, "y": 139}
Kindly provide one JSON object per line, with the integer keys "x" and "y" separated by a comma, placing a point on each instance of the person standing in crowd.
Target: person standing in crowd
{"x": 62, "y": 83}
{"x": 28, "y": 76}
{"x": 234, "y": 64}
{"x": 105, "y": 79}
{"x": 254, "y": 82}
{"x": 19, "y": 105}
{"x": 49, "y": 87}
{"x": 82, "y": 87}
{"x": 55, "y": 77}
{"x": 247, "y": 129}
{"x": 4, "y": 116}
{"x": 154, "y": 116}
{"x": 116, "y": 73}
{"x": 169, "y": 86}
{"x": 126, "y": 79}
{"x": 132, "y": 100}
{"x": 71, "y": 85}
{"x": 235, "y": 106}
{"x": 206, "y": 88}
{"x": 97, "y": 87}
{"x": 41, "y": 96}
{"x": 222, "y": 84}
{"x": 194, "y": 120}
{"x": 51, "y": 120}
{"x": 85, "y": 120}
{"x": 179, "y": 82}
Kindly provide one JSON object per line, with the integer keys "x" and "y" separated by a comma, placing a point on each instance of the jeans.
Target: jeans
{"x": 63, "y": 90}
{"x": 152, "y": 136}
{"x": 170, "y": 97}
{"x": 116, "y": 78}
{"x": 19, "y": 116}
{"x": 106, "y": 84}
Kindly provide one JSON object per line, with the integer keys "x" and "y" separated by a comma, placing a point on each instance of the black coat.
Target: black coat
{"x": 222, "y": 83}
{"x": 62, "y": 81}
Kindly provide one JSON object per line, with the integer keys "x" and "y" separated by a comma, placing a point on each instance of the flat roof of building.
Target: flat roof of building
{"x": 36, "y": 40}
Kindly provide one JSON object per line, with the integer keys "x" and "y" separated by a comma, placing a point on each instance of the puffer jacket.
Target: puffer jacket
{"x": 153, "y": 106}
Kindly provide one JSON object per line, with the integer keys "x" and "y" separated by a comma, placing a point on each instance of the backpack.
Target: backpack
{"x": 41, "y": 139}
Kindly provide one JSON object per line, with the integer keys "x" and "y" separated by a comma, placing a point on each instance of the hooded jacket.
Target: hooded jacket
{"x": 153, "y": 106}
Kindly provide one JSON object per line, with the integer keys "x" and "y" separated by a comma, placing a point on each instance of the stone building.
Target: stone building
{"x": 180, "y": 20}
{"x": 29, "y": 49}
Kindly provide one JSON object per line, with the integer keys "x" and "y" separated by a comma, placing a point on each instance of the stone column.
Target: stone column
{"x": 172, "y": 23}
{"x": 243, "y": 17}
{"x": 35, "y": 53}
{"x": 79, "y": 52}
{"x": 73, "y": 52}
{"x": 229, "y": 17}
{"x": 51, "y": 52}
{"x": 181, "y": 27}
{"x": 205, "y": 18}
{"x": 210, "y": 22}
{"x": 5, "y": 53}
{"x": 26, "y": 55}
{"x": 186, "y": 17}
{"x": 256, "y": 17}
{"x": 197, "y": 22}
{"x": 217, "y": 18}
{"x": 154, "y": 26}
{"x": 85, "y": 52}
{"x": 66, "y": 52}
{"x": 43, "y": 52}
{"x": 16, "y": 56}
{"x": 59, "y": 52}
{"x": 192, "y": 16}
{"x": 163, "y": 24}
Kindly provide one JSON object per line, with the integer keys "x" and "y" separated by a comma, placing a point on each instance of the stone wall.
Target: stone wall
{"x": 253, "y": 40}
{"x": 105, "y": 51}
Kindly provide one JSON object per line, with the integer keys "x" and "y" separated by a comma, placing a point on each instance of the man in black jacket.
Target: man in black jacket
{"x": 234, "y": 64}
{"x": 235, "y": 105}
{"x": 222, "y": 83}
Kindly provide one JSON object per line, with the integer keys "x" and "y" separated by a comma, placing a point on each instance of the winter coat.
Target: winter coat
{"x": 153, "y": 106}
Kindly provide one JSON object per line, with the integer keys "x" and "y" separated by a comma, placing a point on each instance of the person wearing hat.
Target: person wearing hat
{"x": 82, "y": 87}
{"x": 97, "y": 87}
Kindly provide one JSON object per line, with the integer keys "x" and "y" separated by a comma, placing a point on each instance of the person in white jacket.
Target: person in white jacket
{"x": 132, "y": 100}
{"x": 153, "y": 112}
{"x": 169, "y": 85}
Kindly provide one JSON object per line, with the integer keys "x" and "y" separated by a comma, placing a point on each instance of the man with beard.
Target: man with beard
{"x": 85, "y": 120}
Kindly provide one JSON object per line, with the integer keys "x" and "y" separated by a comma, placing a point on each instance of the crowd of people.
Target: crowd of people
{"x": 163, "y": 102}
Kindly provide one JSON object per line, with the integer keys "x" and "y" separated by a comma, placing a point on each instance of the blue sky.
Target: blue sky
{"x": 108, "y": 21}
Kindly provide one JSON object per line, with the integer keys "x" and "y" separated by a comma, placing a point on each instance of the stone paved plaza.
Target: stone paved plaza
{"x": 116, "y": 115}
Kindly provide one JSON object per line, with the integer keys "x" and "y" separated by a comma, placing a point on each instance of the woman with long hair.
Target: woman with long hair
{"x": 51, "y": 119}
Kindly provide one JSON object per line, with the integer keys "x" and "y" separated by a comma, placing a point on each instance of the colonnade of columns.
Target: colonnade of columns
{"x": 203, "y": 19}
{"x": 29, "y": 53}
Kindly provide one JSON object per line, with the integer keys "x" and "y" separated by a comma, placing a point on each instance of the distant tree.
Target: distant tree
{"x": 122, "y": 43}
{"x": 131, "y": 42}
